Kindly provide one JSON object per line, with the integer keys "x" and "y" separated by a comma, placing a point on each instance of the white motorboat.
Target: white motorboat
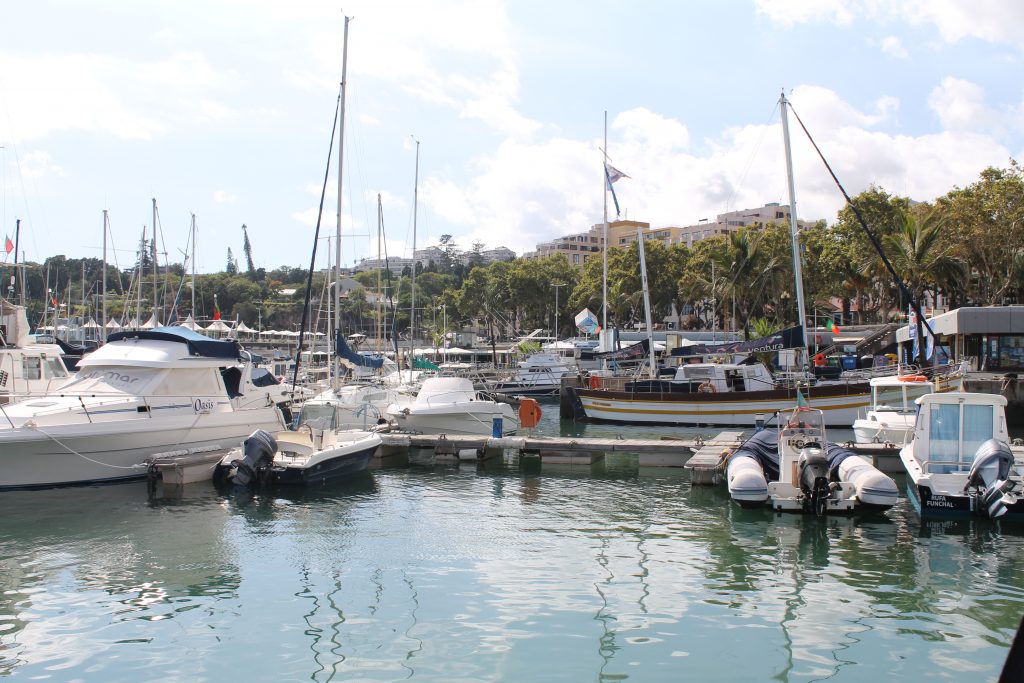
{"x": 450, "y": 405}
{"x": 539, "y": 374}
{"x": 27, "y": 368}
{"x": 890, "y": 417}
{"x": 307, "y": 456}
{"x": 795, "y": 468}
{"x": 354, "y": 406}
{"x": 144, "y": 395}
{"x": 959, "y": 462}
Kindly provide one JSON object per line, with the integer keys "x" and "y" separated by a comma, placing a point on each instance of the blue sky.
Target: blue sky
{"x": 223, "y": 108}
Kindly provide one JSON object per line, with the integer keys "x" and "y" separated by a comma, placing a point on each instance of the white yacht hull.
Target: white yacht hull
{"x": 458, "y": 421}
{"x": 103, "y": 452}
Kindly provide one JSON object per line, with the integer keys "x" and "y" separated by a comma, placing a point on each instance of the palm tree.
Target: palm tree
{"x": 921, "y": 256}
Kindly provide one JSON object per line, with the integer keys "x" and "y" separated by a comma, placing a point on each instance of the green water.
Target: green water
{"x": 500, "y": 572}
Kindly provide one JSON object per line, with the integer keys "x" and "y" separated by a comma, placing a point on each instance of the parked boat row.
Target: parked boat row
{"x": 958, "y": 460}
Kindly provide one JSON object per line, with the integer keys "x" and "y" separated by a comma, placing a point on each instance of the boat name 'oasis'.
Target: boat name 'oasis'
{"x": 202, "y": 406}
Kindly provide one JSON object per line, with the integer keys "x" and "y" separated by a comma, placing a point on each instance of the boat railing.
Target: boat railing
{"x": 945, "y": 466}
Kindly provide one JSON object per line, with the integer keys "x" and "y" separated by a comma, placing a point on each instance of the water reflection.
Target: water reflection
{"x": 454, "y": 571}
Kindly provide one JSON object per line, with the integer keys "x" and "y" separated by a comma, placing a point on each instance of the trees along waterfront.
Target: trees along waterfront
{"x": 967, "y": 245}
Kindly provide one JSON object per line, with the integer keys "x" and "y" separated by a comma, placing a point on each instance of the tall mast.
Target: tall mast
{"x": 21, "y": 278}
{"x": 797, "y": 271}
{"x": 380, "y": 299}
{"x": 155, "y": 271}
{"x": 604, "y": 194}
{"x": 193, "y": 267}
{"x": 138, "y": 278}
{"x": 412, "y": 306}
{"x": 104, "y": 317}
{"x": 647, "y": 302}
{"x": 341, "y": 169}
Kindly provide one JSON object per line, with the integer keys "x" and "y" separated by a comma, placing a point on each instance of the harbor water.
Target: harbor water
{"x": 505, "y": 571}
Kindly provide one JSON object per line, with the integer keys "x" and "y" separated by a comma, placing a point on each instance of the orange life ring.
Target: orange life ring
{"x": 820, "y": 360}
{"x": 595, "y": 382}
{"x": 913, "y": 378}
{"x": 529, "y": 413}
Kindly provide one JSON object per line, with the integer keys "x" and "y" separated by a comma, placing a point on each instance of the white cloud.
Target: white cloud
{"x": 893, "y": 46}
{"x": 112, "y": 96}
{"x": 36, "y": 164}
{"x": 994, "y": 21}
{"x": 960, "y": 106}
{"x": 223, "y": 197}
{"x": 524, "y": 194}
{"x": 790, "y": 12}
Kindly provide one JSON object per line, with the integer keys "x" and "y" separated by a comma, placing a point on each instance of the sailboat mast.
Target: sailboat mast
{"x": 797, "y": 271}
{"x": 604, "y": 194}
{"x": 155, "y": 270}
{"x": 380, "y": 300}
{"x": 138, "y": 277}
{"x": 412, "y": 306}
{"x": 341, "y": 170}
{"x": 193, "y": 266}
{"x": 647, "y": 303}
{"x": 104, "y": 317}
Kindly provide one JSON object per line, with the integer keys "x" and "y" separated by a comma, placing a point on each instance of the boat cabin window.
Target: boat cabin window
{"x": 261, "y": 377}
{"x": 317, "y": 415}
{"x": 945, "y": 429}
{"x": 31, "y": 368}
{"x": 232, "y": 378}
{"x": 55, "y": 369}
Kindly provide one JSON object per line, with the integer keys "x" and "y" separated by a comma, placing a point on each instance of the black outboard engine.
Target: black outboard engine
{"x": 813, "y": 475}
{"x": 259, "y": 451}
{"x": 988, "y": 481}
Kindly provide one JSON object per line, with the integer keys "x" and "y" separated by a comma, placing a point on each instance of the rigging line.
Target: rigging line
{"x": 871, "y": 235}
{"x": 316, "y": 238}
{"x": 750, "y": 160}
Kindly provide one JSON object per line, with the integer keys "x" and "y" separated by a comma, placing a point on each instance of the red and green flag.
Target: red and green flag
{"x": 216, "y": 309}
{"x": 832, "y": 327}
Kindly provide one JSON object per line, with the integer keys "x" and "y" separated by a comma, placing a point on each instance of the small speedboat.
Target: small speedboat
{"x": 303, "y": 457}
{"x": 959, "y": 462}
{"x": 796, "y": 469}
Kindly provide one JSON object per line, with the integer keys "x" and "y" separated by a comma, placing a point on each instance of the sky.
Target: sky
{"x": 222, "y": 109}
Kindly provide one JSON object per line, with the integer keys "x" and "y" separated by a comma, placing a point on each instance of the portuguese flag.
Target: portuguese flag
{"x": 216, "y": 309}
{"x": 832, "y": 327}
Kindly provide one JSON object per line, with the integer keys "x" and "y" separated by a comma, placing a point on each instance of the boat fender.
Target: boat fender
{"x": 259, "y": 450}
{"x": 707, "y": 388}
{"x": 529, "y": 413}
{"x": 988, "y": 478}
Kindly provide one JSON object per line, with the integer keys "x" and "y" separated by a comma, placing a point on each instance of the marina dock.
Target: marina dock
{"x": 701, "y": 455}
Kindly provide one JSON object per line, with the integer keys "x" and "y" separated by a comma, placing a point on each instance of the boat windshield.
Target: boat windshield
{"x": 109, "y": 380}
{"x": 805, "y": 421}
{"x": 317, "y": 415}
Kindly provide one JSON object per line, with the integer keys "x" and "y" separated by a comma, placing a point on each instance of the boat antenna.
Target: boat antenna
{"x": 312, "y": 259}
{"x": 875, "y": 243}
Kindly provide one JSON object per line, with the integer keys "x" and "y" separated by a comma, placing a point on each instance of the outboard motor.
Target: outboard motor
{"x": 813, "y": 474}
{"x": 988, "y": 481}
{"x": 259, "y": 451}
